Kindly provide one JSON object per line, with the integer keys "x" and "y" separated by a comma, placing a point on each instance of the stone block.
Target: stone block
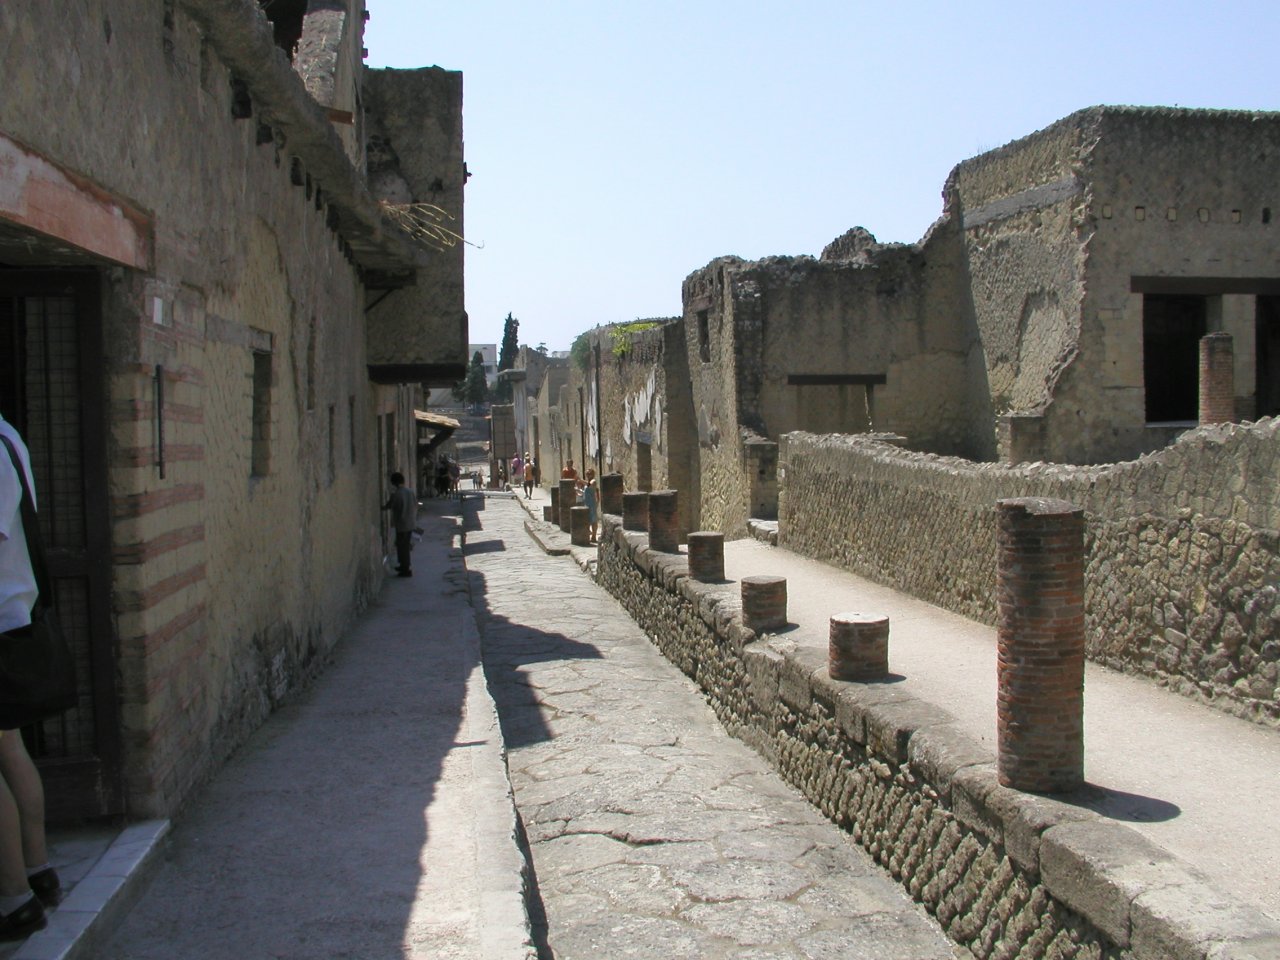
{"x": 937, "y": 754}
{"x": 1098, "y": 869}
{"x": 764, "y": 667}
{"x": 1025, "y": 817}
{"x": 796, "y": 687}
{"x": 890, "y": 726}
{"x": 855, "y": 700}
{"x": 1181, "y": 922}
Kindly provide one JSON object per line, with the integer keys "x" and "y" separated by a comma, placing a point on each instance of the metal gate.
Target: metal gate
{"x": 51, "y": 389}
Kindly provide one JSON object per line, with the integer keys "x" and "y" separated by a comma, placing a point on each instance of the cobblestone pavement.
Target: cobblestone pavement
{"x": 653, "y": 833}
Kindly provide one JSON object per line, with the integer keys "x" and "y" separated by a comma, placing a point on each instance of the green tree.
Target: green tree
{"x": 473, "y": 391}
{"x": 507, "y": 355}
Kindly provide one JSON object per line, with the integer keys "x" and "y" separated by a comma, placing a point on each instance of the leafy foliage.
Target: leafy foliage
{"x": 507, "y": 355}
{"x": 473, "y": 390}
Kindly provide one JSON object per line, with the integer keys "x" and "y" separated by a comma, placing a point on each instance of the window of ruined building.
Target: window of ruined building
{"x": 644, "y": 467}
{"x": 311, "y": 364}
{"x": 704, "y": 336}
{"x": 260, "y": 455}
{"x": 351, "y": 422}
{"x": 1172, "y": 325}
{"x": 286, "y": 18}
{"x": 1267, "y": 322}
{"x": 333, "y": 443}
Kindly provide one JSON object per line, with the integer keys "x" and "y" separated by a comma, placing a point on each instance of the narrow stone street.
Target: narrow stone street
{"x": 652, "y": 832}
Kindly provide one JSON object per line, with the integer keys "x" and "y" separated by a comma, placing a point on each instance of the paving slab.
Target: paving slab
{"x": 652, "y": 832}
{"x": 370, "y": 816}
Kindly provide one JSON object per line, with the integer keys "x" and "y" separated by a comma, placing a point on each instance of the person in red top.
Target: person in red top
{"x": 569, "y": 472}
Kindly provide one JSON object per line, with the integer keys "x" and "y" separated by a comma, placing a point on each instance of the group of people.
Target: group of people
{"x": 28, "y": 883}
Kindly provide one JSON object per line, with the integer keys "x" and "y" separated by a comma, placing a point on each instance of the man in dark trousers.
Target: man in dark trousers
{"x": 403, "y": 505}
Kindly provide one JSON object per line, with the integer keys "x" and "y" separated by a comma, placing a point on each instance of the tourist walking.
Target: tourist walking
{"x": 528, "y": 478}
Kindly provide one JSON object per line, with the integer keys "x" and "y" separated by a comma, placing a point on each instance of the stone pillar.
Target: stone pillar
{"x": 858, "y": 647}
{"x": 611, "y": 493}
{"x": 568, "y": 494}
{"x": 764, "y": 602}
{"x": 706, "y": 555}
{"x": 1040, "y": 639}
{"x": 580, "y": 526}
{"x": 664, "y": 521}
{"x": 547, "y": 515}
{"x": 554, "y": 515}
{"x": 635, "y": 510}
{"x": 1217, "y": 379}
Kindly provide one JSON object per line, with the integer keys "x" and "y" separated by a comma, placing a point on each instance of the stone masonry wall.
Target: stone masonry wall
{"x": 1182, "y": 549}
{"x": 1007, "y": 875}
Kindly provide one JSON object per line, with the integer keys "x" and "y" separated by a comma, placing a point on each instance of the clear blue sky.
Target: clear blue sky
{"x": 617, "y": 148}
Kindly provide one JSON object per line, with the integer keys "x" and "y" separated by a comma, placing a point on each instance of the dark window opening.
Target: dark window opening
{"x": 333, "y": 443}
{"x": 1268, "y": 340}
{"x": 260, "y": 457}
{"x": 704, "y": 337}
{"x": 351, "y": 420}
{"x": 286, "y": 18}
{"x": 1172, "y": 326}
{"x": 644, "y": 467}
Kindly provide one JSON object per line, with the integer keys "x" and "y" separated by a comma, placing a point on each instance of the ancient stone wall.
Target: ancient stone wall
{"x": 1182, "y": 549}
{"x": 239, "y": 566}
{"x": 1006, "y": 874}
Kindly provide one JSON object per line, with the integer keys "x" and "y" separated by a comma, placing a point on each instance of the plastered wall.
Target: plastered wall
{"x": 227, "y": 586}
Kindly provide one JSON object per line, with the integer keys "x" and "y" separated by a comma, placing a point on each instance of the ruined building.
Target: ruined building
{"x": 214, "y": 337}
{"x": 1066, "y": 310}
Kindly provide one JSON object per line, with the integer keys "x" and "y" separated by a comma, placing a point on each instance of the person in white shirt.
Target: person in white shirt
{"x": 27, "y": 881}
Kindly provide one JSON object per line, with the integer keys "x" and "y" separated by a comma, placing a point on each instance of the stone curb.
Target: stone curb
{"x": 96, "y": 905}
{"x": 1139, "y": 896}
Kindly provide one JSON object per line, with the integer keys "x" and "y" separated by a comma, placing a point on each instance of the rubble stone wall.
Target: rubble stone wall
{"x": 1182, "y": 549}
{"x": 1006, "y": 874}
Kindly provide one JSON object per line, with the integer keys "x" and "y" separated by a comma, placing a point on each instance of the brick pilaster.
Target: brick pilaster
{"x": 1040, "y": 634}
{"x": 706, "y": 555}
{"x": 1217, "y": 379}
{"x": 764, "y": 602}
{"x": 858, "y": 647}
{"x": 611, "y": 493}
{"x": 664, "y": 521}
{"x": 580, "y": 526}
{"x": 568, "y": 495}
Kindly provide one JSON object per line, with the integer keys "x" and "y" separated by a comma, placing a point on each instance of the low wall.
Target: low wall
{"x": 1006, "y": 874}
{"x": 1182, "y": 550}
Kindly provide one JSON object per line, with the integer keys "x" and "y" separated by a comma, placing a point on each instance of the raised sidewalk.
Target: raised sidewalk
{"x": 1194, "y": 789}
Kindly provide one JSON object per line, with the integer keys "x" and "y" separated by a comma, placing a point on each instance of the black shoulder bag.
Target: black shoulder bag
{"x": 37, "y": 668}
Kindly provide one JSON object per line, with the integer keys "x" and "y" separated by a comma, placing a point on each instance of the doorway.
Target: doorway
{"x": 1267, "y": 321}
{"x": 1172, "y": 325}
{"x": 52, "y": 390}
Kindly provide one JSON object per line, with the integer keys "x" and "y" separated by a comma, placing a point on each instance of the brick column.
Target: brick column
{"x": 764, "y": 602}
{"x": 554, "y": 514}
{"x": 1040, "y": 635}
{"x": 635, "y": 510}
{"x": 706, "y": 555}
{"x": 611, "y": 493}
{"x": 858, "y": 647}
{"x": 580, "y": 526}
{"x": 1217, "y": 379}
{"x": 664, "y": 521}
{"x": 568, "y": 494}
